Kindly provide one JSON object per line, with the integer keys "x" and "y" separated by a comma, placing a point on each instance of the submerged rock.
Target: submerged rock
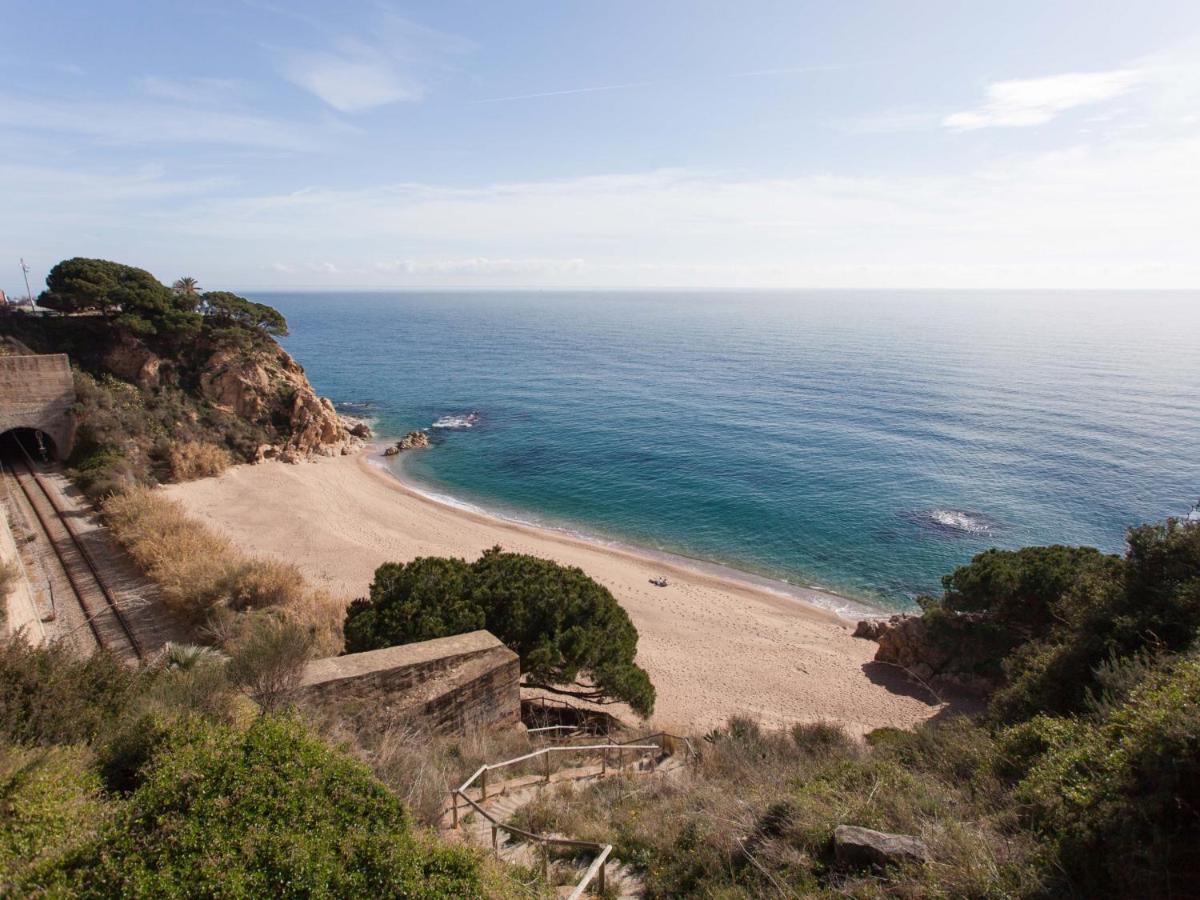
{"x": 391, "y": 451}
{"x": 856, "y": 847}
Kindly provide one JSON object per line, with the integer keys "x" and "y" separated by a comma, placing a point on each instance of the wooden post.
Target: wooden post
{"x": 483, "y": 784}
{"x": 603, "y": 865}
{"x": 454, "y": 807}
{"x": 546, "y": 757}
{"x": 495, "y": 841}
{"x": 604, "y": 762}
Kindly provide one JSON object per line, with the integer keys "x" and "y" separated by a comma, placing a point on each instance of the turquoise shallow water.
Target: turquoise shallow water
{"x": 863, "y": 442}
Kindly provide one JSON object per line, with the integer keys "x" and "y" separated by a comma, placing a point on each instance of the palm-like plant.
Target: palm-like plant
{"x": 187, "y": 286}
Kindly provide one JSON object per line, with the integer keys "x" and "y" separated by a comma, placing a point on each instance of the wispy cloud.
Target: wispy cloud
{"x": 189, "y": 90}
{"x": 381, "y": 65}
{"x": 1124, "y": 204}
{"x": 1034, "y": 101}
{"x": 783, "y": 70}
{"x": 583, "y": 90}
{"x": 481, "y": 266}
{"x": 351, "y": 77}
{"x": 135, "y": 122}
{"x": 1110, "y": 214}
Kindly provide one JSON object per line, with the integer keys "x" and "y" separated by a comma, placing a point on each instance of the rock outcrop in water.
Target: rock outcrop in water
{"x": 414, "y": 440}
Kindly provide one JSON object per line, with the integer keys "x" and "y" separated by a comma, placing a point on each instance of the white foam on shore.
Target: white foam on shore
{"x": 848, "y": 608}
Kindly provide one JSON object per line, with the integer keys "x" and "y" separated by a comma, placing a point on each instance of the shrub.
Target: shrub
{"x": 1051, "y": 617}
{"x": 49, "y": 695}
{"x": 1120, "y": 798}
{"x": 267, "y": 660}
{"x": 263, "y": 583}
{"x": 201, "y": 573}
{"x": 196, "y": 459}
{"x": 50, "y": 804}
{"x": 268, "y": 811}
{"x": 418, "y": 765}
{"x": 194, "y": 567}
{"x": 567, "y": 629}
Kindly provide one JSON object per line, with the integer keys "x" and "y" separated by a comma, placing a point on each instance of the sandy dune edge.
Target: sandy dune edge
{"x": 713, "y": 646}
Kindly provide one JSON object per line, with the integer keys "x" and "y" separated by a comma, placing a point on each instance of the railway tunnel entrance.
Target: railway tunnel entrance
{"x": 22, "y": 444}
{"x": 37, "y": 394}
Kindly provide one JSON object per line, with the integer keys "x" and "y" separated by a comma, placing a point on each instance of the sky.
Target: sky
{"x": 258, "y": 144}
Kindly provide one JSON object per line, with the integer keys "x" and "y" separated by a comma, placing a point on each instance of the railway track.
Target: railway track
{"x": 98, "y": 607}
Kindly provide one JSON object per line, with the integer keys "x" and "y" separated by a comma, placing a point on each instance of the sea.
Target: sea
{"x": 860, "y": 442}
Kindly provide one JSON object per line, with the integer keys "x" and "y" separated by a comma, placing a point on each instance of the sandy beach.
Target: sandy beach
{"x": 713, "y": 646}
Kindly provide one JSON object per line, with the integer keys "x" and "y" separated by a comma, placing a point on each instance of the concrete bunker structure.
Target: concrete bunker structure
{"x": 37, "y": 393}
{"x": 448, "y": 685}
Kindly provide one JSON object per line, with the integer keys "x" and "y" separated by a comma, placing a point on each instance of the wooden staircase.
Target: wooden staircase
{"x": 481, "y": 816}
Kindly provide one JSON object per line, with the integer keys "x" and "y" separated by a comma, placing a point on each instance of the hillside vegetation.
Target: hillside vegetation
{"x": 160, "y": 783}
{"x": 1083, "y": 779}
{"x": 172, "y": 384}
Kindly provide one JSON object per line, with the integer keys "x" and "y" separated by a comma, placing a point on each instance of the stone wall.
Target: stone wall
{"x": 448, "y": 685}
{"x": 38, "y": 392}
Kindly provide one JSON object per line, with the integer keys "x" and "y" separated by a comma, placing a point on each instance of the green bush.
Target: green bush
{"x": 267, "y": 659}
{"x": 50, "y": 803}
{"x": 564, "y": 625}
{"x": 1051, "y": 617}
{"x": 1120, "y": 798}
{"x": 49, "y": 695}
{"x": 264, "y": 812}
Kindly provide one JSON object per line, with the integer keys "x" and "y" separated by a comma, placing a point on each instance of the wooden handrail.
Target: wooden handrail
{"x": 602, "y": 850}
{"x": 596, "y": 866}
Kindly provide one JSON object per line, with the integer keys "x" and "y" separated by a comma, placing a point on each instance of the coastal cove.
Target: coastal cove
{"x": 860, "y": 443}
{"x": 713, "y": 646}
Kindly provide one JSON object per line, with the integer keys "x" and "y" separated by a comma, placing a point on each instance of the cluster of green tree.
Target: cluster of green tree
{"x": 150, "y": 783}
{"x": 135, "y": 301}
{"x": 571, "y": 634}
{"x": 120, "y": 316}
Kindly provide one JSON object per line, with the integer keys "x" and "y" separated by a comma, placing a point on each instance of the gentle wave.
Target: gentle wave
{"x": 960, "y": 521}
{"x": 459, "y": 420}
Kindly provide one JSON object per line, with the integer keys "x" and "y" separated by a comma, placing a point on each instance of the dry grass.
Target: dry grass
{"x": 421, "y": 767}
{"x": 202, "y": 573}
{"x": 196, "y": 459}
{"x": 756, "y": 816}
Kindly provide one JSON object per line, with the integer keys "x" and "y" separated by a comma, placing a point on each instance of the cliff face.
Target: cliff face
{"x": 269, "y": 389}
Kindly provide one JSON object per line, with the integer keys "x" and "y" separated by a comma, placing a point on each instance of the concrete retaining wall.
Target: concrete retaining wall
{"x": 448, "y": 685}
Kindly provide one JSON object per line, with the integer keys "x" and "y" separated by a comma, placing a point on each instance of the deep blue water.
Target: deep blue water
{"x": 865, "y": 442}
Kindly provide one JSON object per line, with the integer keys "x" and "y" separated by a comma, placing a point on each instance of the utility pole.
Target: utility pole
{"x": 25, "y": 272}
